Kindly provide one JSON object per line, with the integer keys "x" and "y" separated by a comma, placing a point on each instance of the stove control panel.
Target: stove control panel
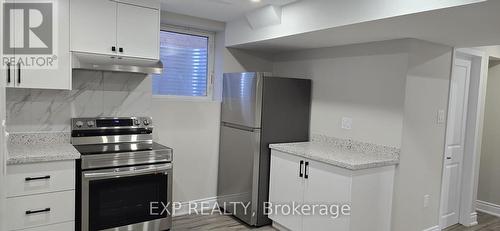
{"x": 111, "y": 123}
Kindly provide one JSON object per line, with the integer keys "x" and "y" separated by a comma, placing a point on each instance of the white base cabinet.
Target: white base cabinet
{"x": 40, "y": 196}
{"x": 367, "y": 193}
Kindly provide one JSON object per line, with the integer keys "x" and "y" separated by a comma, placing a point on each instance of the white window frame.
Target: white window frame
{"x": 210, "y": 68}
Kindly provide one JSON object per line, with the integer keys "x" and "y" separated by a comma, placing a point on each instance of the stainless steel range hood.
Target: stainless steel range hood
{"x": 87, "y": 61}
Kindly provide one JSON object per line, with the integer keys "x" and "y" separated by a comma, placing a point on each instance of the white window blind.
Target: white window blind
{"x": 185, "y": 65}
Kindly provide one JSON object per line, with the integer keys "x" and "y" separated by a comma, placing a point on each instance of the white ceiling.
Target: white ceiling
{"x": 220, "y": 10}
{"x": 465, "y": 26}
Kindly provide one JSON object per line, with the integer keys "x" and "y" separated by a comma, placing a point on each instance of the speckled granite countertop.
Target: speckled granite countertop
{"x": 26, "y": 148}
{"x": 349, "y": 154}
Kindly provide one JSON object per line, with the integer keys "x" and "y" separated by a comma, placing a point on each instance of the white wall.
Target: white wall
{"x": 311, "y": 15}
{"x": 364, "y": 82}
{"x": 489, "y": 189}
{"x": 421, "y": 161}
{"x": 191, "y": 128}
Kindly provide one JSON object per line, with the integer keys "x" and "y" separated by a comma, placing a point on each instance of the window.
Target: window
{"x": 187, "y": 61}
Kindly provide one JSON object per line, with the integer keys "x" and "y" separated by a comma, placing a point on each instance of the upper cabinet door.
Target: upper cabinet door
{"x": 138, "y": 31}
{"x": 59, "y": 75}
{"x": 93, "y": 26}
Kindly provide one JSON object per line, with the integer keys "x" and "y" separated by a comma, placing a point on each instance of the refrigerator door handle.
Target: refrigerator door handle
{"x": 240, "y": 127}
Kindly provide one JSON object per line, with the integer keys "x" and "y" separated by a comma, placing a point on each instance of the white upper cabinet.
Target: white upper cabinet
{"x": 31, "y": 69}
{"x": 93, "y": 26}
{"x": 138, "y": 31}
{"x": 116, "y": 28}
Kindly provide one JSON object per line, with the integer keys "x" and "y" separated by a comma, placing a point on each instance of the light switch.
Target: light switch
{"x": 441, "y": 116}
{"x": 346, "y": 123}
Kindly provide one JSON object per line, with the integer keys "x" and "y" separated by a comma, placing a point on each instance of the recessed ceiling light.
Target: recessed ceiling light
{"x": 255, "y": 0}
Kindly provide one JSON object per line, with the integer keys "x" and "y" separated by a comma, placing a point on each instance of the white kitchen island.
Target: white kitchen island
{"x": 336, "y": 175}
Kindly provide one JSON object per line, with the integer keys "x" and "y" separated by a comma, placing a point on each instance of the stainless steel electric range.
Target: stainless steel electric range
{"x": 122, "y": 175}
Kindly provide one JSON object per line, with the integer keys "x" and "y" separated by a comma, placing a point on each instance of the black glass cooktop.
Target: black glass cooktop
{"x": 94, "y": 149}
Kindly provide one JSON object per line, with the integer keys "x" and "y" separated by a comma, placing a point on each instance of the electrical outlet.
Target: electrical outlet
{"x": 427, "y": 199}
{"x": 346, "y": 123}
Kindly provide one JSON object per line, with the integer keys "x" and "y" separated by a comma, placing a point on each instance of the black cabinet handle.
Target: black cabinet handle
{"x": 37, "y": 178}
{"x": 29, "y": 212}
{"x": 306, "y": 170}
{"x": 8, "y": 72}
{"x": 300, "y": 169}
{"x": 113, "y": 48}
{"x": 120, "y": 49}
{"x": 19, "y": 73}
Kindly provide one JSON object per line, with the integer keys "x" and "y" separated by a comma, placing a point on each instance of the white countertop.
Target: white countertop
{"x": 23, "y": 148}
{"x": 33, "y": 153}
{"x": 357, "y": 158}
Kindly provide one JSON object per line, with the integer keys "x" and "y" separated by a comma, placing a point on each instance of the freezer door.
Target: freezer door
{"x": 242, "y": 99}
{"x": 239, "y": 172}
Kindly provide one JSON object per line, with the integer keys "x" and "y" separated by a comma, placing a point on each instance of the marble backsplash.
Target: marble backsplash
{"x": 94, "y": 93}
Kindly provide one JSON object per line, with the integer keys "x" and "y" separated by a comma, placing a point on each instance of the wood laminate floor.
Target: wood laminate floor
{"x": 229, "y": 223}
{"x": 212, "y": 223}
{"x": 486, "y": 223}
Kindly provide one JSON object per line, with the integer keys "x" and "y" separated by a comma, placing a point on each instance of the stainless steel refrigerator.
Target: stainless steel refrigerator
{"x": 257, "y": 110}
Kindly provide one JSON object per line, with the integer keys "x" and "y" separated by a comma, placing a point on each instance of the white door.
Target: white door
{"x": 326, "y": 185}
{"x": 138, "y": 31}
{"x": 93, "y": 26}
{"x": 58, "y": 77}
{"x": 455, "y": 140}
{"x": 286, "y": 186}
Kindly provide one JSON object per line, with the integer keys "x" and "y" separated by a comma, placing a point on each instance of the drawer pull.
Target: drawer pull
{"x": 30, "y": 212}
{"x": 37, "y": 178}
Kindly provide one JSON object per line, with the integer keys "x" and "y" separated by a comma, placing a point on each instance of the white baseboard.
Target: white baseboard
{"x": 473, "y": 219}
{"x": 279, "y": 226}
{"x": 489, "y": 208}
{"x": 196, "y": 206}
{"x": 434, "y": 228}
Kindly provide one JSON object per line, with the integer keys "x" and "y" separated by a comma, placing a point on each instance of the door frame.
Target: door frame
{"x": 473, "y": 134}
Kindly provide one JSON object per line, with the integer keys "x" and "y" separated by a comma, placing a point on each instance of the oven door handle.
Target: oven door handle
{"x": 129, "y": 171}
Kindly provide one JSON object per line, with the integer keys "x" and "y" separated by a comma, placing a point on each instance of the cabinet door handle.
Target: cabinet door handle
{"x": 120, "y": 49}
{"x": 300, "y": 169}
{"x": 29, "y": 212}
{"x": 8, "y": 72}
{"x": 113, "y": 48}
{"x": 306, "y": 170}
{"x": 19, "y": 73}
{"x": 37, "y": 178}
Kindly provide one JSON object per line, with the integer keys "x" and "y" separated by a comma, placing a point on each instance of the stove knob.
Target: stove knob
{"x": 90, "y": 124}
{"x": 79, "y": 124}
{"x": 137, "y": 122}
{"x": 145, "y": 122}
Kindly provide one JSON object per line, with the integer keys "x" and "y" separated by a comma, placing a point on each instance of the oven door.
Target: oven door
{"x": 121, "y": 198}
